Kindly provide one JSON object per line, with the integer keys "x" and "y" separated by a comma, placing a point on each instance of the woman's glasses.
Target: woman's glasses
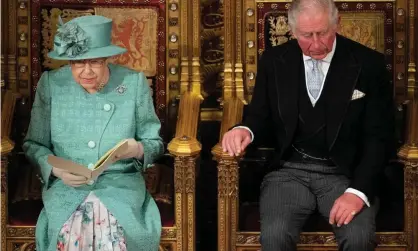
{"x": 94, "y": 63}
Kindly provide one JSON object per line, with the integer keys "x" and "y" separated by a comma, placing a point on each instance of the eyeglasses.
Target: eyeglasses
{"x": 94, "y": 63}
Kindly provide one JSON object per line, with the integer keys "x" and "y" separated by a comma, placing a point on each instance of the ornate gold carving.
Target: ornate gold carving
{"x": 229, "y": 17}
{"x": 168, "y": 233}
{"x": 227, "y": 200}
{"x": 228, "y": 179}
{"x": 383, "y": 239}
{"x": 184, "y": 180}
{"x": 322, "y": 239}
{"x": 238, "y": 27}
{"x": 186, "y": 149}
{"x": 392, "y": 239}
{"x": 365, "y": 28}
{"x": 196, "y": 75}
{"x": 23, "y": 245}
{"x": 184, "y": 174}
{"x": 3, "y": 198}
{"x": 279, "y": 28}
{"x": 136, "y": 30}
{"x": 409, "y": 152}
{"x": 179, "y": 219}
{"x": 261, "y": 2}
{"x": 185, "y": 46}
{"x": 21, "y": 232}
{"x": 196, "y": 28}
{"x": 49, "y": 24}
{"x": 167, "y": 246}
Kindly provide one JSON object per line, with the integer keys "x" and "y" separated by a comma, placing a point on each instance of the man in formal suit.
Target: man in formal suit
{"x": 328, "y": 102}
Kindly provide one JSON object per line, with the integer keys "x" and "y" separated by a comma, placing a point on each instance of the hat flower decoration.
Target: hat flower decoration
{"x": 71, "y": 40}
{"x": 84, "y": 37}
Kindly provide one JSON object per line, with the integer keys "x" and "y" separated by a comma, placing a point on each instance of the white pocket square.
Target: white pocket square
{"x": 357, "y": 94}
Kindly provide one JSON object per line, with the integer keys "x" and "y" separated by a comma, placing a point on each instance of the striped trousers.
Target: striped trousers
{"x": 290, "y": 195}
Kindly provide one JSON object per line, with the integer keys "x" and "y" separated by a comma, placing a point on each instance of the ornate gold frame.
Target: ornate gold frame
{"x": 240, "y": 68}
{"x": 182, "y": 78}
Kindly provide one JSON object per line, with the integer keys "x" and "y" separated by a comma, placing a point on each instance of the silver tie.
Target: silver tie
{"x": 315, "y": 77}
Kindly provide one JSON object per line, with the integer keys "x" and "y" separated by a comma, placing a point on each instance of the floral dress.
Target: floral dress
{"x": 91, "y": 227}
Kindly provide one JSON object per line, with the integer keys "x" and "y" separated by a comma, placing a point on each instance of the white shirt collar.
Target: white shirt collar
{"x": 329, "y": 56}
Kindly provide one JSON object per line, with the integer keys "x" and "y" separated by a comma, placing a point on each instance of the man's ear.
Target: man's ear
{"x": 293, "y": 33}
{"x": 338, "y": 24}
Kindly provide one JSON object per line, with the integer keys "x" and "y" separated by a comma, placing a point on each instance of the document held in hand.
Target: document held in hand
{"x": 101, "y": 165}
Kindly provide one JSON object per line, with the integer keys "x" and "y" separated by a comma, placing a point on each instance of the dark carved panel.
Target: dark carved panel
{"x": 212, "y": 52}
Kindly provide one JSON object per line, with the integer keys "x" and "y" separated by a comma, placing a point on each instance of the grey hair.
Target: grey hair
{"x": 299, "y": 6}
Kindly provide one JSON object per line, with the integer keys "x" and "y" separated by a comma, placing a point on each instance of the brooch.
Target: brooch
{"x": 121, "y": 89}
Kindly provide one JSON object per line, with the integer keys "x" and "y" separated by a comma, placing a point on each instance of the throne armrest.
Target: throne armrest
{"x": 185, "y": 143}
{"x": 7, "y": 111}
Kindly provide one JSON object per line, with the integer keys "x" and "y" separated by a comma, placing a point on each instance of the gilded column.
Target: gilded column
{"x": 409, "y": 152}
{"x": 229, "y": 50}
{"x": 228, "y": 177}
{"x": 184, "y": 46}
{"x": 186, "y": 150}
{"x": 238, "y": 69}
{"x": 196, "y": 71}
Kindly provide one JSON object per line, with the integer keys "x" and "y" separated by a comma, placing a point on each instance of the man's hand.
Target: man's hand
{"x": 134, "y": 150}
{"x": 345, "y": 208}
{"x": 68, "y": 178}
{"x": 235, "y": 141}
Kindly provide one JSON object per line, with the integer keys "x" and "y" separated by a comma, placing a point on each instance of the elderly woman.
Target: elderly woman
{"x": 80, "y": 112}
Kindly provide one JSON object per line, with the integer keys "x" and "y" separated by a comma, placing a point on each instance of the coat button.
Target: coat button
{"x": 91, "y": 144}
{"x": 107, "y": 107}
{"x": 91, "y": 166}
{"x": 90, "y": 182}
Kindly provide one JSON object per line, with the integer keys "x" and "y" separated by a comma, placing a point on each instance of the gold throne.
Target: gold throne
{"x": 155, "y": 32}
{"x": 380, "y": 25}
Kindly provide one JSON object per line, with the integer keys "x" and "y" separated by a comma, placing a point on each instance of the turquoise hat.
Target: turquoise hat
{"x": 84, "y": 37}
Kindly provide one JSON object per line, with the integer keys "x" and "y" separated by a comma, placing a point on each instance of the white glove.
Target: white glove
{"x": 134, "y": 150}
{"x": 69, "y": 178}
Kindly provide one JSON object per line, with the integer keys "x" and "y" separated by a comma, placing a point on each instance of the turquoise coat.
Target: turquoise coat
{"x": 69, "y": 122}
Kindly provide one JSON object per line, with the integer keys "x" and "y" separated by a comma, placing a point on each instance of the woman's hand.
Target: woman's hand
{"x": 134, "y": 150}
{"x": 69, "y": 178}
